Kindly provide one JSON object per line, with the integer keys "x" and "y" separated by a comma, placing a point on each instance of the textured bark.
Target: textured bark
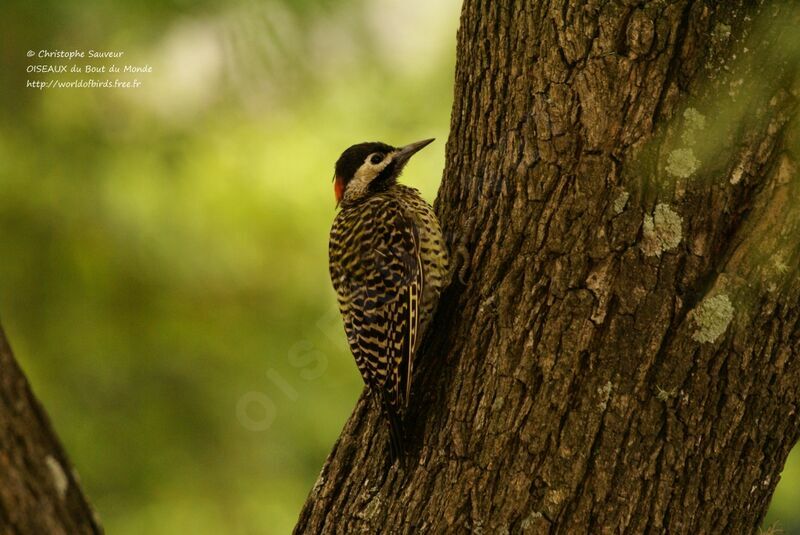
{"x": 623, "y": 356}
{"x": 39, "y": 491}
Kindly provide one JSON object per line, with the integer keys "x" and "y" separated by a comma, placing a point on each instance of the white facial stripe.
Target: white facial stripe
{"x": 366, "y": 174}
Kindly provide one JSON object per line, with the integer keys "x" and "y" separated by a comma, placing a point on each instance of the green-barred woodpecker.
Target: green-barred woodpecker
{"x": 388, "y": 264}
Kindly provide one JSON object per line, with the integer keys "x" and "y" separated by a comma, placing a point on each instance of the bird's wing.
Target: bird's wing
{"x": 396, "y": 292}
{"x": 379, "y": 281}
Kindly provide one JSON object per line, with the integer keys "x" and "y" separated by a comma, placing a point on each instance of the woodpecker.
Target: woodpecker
{"x": 388, "y": 265}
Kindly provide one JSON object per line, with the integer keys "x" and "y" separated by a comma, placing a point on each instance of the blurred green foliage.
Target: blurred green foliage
{"x": 164, "y": 278}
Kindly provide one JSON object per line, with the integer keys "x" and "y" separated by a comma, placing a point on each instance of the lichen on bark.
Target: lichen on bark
{"x": 712, "y": 318}
{"x": 661, "y": 231}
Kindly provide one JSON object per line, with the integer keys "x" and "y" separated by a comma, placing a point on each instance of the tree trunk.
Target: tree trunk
{"x": 624, "y": 354}
{"x": 39, "y": 491}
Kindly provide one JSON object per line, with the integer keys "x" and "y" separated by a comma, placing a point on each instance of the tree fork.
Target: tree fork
{"x": 624, "y": 353}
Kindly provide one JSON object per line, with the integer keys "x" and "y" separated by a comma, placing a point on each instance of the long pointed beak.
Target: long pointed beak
{"x": 409, "y": 150}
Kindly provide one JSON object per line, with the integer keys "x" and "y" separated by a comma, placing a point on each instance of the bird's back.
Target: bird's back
{"x": 373, "y": 246}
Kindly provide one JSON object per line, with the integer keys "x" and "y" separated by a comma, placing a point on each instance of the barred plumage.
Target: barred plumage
{"x": 388, "y": 264}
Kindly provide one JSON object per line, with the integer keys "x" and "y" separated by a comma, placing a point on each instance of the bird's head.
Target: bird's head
{"x": 368, "y": 168}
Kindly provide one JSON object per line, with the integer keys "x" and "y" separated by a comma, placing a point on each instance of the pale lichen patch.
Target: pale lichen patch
{"x": 372, "y": 508}
{"x": 530, "y": 521}
{"x": 682, "y": 163}
{"x": 665, "y": 395}
{"x": 772, "y": 287}
{"x": 737, "y": 174}
{"x": 779, "y": 264}
{"x": 498, "y": 403}
{"x": 734, "y": 88}
{"x": 621, "y": 201}
{"x": 712, "y": 317}
{"x": 693, "y": 122}
{"x": 661, "y": 231}
{"x": 556, "y": 496}
{"x": 605, "y": 395}
{"x": 60, "y": 481}
{"x": 721, "y": 32}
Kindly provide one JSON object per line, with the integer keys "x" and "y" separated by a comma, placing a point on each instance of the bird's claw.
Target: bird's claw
{"x": 460, "y": 263}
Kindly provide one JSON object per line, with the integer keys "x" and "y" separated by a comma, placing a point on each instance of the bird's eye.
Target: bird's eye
{"x": 376, "y": 158}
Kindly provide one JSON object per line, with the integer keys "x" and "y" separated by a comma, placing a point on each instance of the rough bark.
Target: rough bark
{"x": 39, "y": 491}
{"x": 624, "y": 354}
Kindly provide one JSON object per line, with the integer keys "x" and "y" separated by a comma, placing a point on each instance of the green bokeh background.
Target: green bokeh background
{"x": 164, "y": 278}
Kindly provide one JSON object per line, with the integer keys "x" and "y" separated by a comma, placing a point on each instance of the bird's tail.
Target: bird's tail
{"x": 396, "y": 430}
